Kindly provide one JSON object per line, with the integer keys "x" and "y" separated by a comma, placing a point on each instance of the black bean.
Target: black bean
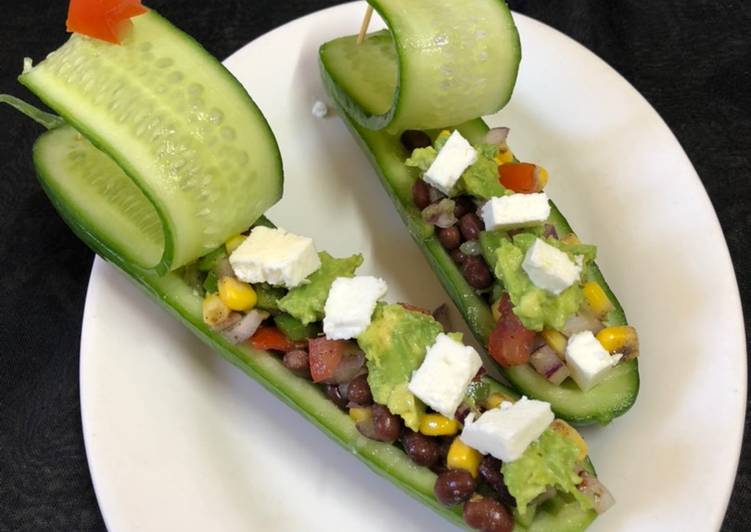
{"x": 412, "y": 138}
{"x": 454, "y": 486}
{"x": 463, "y": 205}
{"x": 488, "y": 515}
{"x": 358, "y": 391}
{"x": 490, "y": 472}
{"x": 458, "y": 257}
{"x": 421, "y": 194}
{"x": 470, "y": 225}
{"x": 450, "y": 237}
{"x": 297, "y": 362}
{"x": 333, "y": 393}
{"x": 476, "y": 272}
{"x": 423, "y": 450}
{"x": 387, "y": 426}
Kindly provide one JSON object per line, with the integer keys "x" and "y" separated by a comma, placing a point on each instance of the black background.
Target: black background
{"x": 690, "y": 59}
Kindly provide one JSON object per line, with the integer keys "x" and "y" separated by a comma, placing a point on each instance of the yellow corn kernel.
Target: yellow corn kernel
{"x": 495, "y": 309}
{"x": 494, "y": 400}
{"x": 556, "y": 341}
{"x": 360, "y": 414}
{"x": 620, "y": 339}
{"x": 571, "y": 434}
{"x": 438, "y": 425}
{"x": 461, "y": 456}
{"x": 541, "y": 175}
{"x": 597, "y": 299}
{"x": 503, "y": 157}
{"x": 214, "y": 310}
{"x": 232, "y": 243}
{"x": 571, "y": 238}
{"x": 236, "y": 294}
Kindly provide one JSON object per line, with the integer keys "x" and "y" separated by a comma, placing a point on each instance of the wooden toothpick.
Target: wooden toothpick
{"x": 364, "y": 25}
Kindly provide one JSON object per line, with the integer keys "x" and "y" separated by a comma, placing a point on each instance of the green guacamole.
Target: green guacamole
{"x": 305, "y": 302}
{"x": 395, "y": 343}
{"x": 535, "y": 307}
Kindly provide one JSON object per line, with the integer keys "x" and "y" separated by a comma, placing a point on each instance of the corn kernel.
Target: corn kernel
{"x": 571, "y": 238}
{"x": 541, "y": 176}
{"x": 214, "y": 310}
{"x": 360, "y": 414}
{"x": 232, "y": 243}
{"x": 461, "y": 456}
{"x": 571, "y": 434}
{"x": 495, "y": 309}
{"x": 597, "y": 299}
{"x": 556, "y": 341}
{"x": 438, "y": 425}
{"x": 620, "y": 339}
{"x": 495, "y": 399}
{"x": 236, "y": 294}
{"x": 503, "y": 157}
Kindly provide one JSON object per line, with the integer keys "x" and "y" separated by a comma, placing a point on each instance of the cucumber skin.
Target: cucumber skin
{"x": 475, "y": 311}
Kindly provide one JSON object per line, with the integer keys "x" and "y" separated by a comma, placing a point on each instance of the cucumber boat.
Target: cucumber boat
{"x": 165, "y": 173}
{"x": 411, "y": 61}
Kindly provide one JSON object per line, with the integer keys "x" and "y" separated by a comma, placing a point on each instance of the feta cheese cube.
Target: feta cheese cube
{"x": 506, "y": 432}
{"x": 320, "y": 109}
{"x": 350, "y": 305}
{"x": 440, "y": 382}
{"x": 587, "y": 360}
{"x": 276, "y": 257}
{"x": 449, "y": 165}
{"x": 550, "y": 268}
{"x": 515, "y": 210}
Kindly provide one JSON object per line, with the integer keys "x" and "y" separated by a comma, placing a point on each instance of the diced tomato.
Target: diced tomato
{"x": 510, "y": 343}
{"x": 269, "y": 338}
{"x": 107, "y": 20}
{"x": 519, "y": 177}
{"x": 325, "y": 356}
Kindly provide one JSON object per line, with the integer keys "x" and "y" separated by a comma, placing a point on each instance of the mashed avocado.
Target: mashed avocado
{"x": 549, "y": 461}
{"x": 306, "y": 301}
{"x": 479, "y": 180}
{"x": 395, "y": 343}
{"x": 537, "y": 308}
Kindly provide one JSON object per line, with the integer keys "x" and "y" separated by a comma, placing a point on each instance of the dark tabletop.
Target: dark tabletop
{"x": 690, "y": 59}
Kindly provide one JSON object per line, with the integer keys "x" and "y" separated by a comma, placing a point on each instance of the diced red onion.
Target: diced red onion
{"x": 435, "y": 195}
{"x": 591, "y": 486}
{"x": 471, "y": 248}
{"x": 582, "y": 322}
{"x": 549, "y": 230}
{"x": 440, "y": 214}
{"x": 228, "y": 322}
{"x": 223, "y": 268}
{"x": 246, "y": 327}
{"x": 441, "y": 315}
{"x": 497, "y": 136}
{"x": 367, "y": 428}
{"x": 351, "y": 366}
{"x": 547, "y": 364}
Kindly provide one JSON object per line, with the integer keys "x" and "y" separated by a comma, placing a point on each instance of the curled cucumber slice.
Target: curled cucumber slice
{"x": 174, "y": 122}
{"x": 442, "y": 62}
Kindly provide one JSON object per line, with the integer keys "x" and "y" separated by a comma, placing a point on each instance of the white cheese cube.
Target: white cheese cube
{"x": 515, "y": 210}
{"x": 550, "y": 268}
{"x": 276, "y": 257}
{"x": 449, "y": 165}
{"x": 587, "y": 360}
{"x": 350, "y": 305}
{"x": 442, "y": 379}
{"x": 507, "y": 431}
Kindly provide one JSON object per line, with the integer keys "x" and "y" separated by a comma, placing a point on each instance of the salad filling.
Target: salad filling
{"x": 491, "y": 214}
{"x": 401, "y": 378}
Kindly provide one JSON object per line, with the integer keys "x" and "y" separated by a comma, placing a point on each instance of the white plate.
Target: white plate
{"x": 179, "y": 440}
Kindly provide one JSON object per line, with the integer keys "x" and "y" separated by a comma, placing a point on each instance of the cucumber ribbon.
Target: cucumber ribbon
{"x": 439, "y": 65}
